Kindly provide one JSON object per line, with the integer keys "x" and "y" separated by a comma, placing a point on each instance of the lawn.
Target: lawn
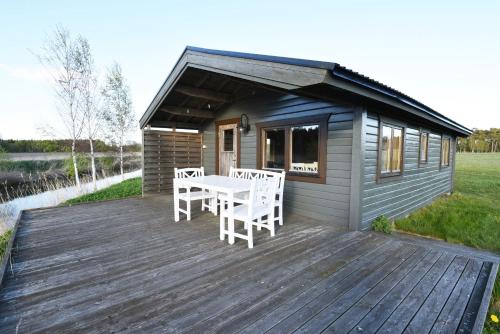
{"x": 471, "y": 216}
{"x": 127, "y": 188}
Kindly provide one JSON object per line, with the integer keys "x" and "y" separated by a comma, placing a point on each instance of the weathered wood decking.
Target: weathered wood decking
{"x": 125, "y": 266}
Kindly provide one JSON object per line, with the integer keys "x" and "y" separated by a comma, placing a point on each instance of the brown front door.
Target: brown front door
{"x": 227, "y": 147}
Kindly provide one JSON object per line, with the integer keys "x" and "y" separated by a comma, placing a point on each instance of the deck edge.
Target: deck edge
{"x": 485, "y": 302}
{"x": 8, "y": 249}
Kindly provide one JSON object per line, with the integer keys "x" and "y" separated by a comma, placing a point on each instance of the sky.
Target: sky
{"x": 446, "y": 54}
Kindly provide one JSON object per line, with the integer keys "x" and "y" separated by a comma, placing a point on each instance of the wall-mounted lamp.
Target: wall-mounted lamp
{"x": 244, "y": 124}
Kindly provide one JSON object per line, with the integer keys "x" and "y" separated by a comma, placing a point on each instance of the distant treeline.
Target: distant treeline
{"x": 59, "y": 145}
{"x": 480, "y": 141}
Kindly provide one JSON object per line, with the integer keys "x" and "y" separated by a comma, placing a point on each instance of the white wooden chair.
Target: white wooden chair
{"x": 188, "y": 196}
{"x": 256, "y": 173}
{"x": 259, "y": 204}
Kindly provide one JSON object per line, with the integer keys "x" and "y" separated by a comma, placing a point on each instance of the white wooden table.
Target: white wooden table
{"x": 218, "y": 184}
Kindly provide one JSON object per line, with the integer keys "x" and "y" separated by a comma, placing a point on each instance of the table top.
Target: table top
{"x": 218, "y": 183}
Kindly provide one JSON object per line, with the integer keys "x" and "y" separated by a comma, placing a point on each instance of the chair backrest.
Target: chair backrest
{"x": 262, "y": 193}
{"x": 247, "y": 173}
{"x": 182, "y": 173}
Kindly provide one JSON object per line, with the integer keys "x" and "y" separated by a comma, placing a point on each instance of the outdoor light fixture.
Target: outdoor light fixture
{"x": 244, "y": 125}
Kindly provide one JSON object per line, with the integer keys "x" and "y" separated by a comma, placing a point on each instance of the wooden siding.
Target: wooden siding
{"x": 162, "y": 152}
{"x": 327, "y": 202}
{"x": 419, "y": 184}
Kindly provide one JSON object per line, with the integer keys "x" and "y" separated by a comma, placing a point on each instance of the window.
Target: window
{"x": 228, "y": 140}
{"x": 390, "y": 151}
{"x": 424, "y": 147}
{"x": 304, "y": 151}
{"x": 274, "y": 149}
{"x": 445, "y": 152}
{"x": 297, "y": 146}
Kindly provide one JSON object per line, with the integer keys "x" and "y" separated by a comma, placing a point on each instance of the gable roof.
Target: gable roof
{"x": 295, "y": 75}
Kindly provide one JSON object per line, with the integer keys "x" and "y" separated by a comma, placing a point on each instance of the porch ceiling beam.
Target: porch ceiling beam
{"x": 178, "y": 125}
{"x": 191, "y": 112}
{"x": 204, "y": 93}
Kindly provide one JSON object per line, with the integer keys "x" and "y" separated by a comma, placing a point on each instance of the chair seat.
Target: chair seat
{"x": 196, "y": 195}
{"x": 241, "y": 198}
{"x": 241, "y": 212}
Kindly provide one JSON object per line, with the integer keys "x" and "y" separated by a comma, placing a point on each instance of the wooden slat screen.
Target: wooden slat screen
{"x": 162, "y": 152}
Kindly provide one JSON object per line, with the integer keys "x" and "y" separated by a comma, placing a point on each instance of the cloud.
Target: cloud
{"x": 36, "y": 74}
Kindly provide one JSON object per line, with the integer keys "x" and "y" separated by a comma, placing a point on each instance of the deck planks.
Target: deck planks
{"x": 125, "y": 266}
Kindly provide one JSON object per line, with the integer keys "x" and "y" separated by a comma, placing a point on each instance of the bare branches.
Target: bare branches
{"x": 83, "y": 107}
{"x": 65, "y": 59}
{"x": 117, "y": 108}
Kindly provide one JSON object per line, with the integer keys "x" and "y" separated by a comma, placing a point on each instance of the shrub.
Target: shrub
{"x": 382, "y": 224}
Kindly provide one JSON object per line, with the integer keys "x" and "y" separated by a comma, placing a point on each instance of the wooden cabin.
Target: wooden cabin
{"x": 353, "y": 148}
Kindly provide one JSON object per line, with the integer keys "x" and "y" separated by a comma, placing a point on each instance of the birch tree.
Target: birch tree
{"x": 117, "y": 109}
{"x": 61, "y": 56}
{"x": 89, "y": 102}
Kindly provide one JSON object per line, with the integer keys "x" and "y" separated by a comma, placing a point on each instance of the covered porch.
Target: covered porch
{"x": 255, "y": 112}
{"x": 125, "y": 265}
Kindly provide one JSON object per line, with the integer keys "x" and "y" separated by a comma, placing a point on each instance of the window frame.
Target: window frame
{"x": 443, "y": 139}
{"x": 420, "y": 161}
{"x": 391, "y": 176}
{"x": 287, "y": 124}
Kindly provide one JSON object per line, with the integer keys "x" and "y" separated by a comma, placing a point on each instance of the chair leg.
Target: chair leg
{"x": 270, "y": 222}
{"x": 176, "y": 201}
{"x": 222, "y": 228}
{"x": 249, "y": 233}
{"x": 188, "y": 206}
{"x": 259, "y": 221}
{"x": 280, "y": 209}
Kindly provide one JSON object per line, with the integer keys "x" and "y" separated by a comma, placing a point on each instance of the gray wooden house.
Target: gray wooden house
{"x": 353, "y": 148}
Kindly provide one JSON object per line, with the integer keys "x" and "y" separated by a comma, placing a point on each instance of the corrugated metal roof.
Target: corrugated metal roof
{"x": 343, "y": 73}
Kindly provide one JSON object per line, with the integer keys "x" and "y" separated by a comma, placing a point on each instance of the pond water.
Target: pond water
{"x": 10, "y": 210}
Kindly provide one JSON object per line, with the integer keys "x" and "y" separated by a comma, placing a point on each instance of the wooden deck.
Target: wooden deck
{"x": 125, "y": 266}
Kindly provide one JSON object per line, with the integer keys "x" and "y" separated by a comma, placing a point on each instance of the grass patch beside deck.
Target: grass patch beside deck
{"x": 127, "y": 188}
{"x": 4, "y": 241}
{"x": 471, "y": 216}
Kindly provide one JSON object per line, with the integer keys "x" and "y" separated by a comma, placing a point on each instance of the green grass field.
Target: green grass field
{"x": 127, "y": 188}
{"x": 471, "y": 216}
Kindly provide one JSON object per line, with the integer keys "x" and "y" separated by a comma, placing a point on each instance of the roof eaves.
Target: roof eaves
{"x": 272, "y": 59}
{"x": 366, "y": 82}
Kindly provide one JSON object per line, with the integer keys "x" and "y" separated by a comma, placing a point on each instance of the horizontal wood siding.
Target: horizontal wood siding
{"x": 418, "y": 186}
{"x": 327, "y": 202}
{"x": 162, "y": 152}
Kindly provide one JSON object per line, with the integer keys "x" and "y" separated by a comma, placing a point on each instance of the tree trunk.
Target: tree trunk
{"x": 121, "y": 161}
{"x": 92, "y": 160}
{"x": 75, "y": 165}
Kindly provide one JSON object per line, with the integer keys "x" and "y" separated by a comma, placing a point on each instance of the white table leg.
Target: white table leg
{"x": 176, "y": 200}
{"x": 230, "y": 222}
{"x": 222, "y": 227}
